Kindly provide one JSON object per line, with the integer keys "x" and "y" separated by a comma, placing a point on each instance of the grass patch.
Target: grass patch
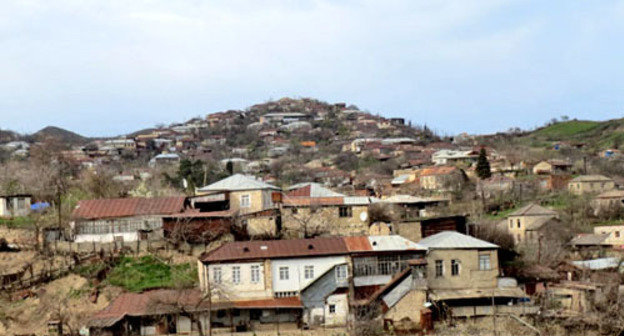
{"x": 149, "y": 272}
{"x": 502, "y": 213}
{"x": 567, "y": 129}
{"x": 16, "y": 222}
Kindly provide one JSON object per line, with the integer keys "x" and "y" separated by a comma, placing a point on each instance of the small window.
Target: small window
{"x": 617, "y": 234}
{"x": 236, "y": 274}
{"x": 511, "y": 223}
{"x": 454, "y": 267}
{"x": 308, "y": 272}
{"x": 439, "y": 268}
{"x": 345, "y": 211}
{"x": 518, "y": 221}
{"x": 484, "y": 262}
{"x": 341, "y": 272}
{"x": 245, "y": 201}
{"x": 255, "y": 273}
{"x": 283, "y": 273}
{"x": 216, "y": 275}
{"x": 332, "y": 309}
{"x": 294, "y": 211}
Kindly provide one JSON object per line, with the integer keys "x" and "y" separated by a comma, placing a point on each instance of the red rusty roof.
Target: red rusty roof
{"x": 357, "y": 243}
{"x": 264, "y": 249}
{"x": 127, "y": 207}
{"x": 311, "y": 201}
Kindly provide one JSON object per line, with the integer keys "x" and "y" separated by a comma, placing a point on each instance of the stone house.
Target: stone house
{"x": 241, "y": 193}
{"x": 608, "y": 201}
{"x": 309, "y": 209}
{"x": 526, "y": 224}
{"x": 615, "y": 235}
{"x": 463, "y": 274}
{"x": 551, "y": 167}
{"x": 442, "y": 178}
{"x": 590, "y": 184}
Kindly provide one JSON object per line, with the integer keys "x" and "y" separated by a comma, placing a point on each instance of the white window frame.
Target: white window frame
{"x": 255, "y": 273}
{"x": 485, "y": 262}
{"x": 236, "y": 275}
{"x": 217, "y": 275}
{"x": 441, "y": 268}
{"x": 331, "y": 308}
{"x": 308, "y": 272}
{"x": 284, "y": 273}
{"x": 341, "y": 272}
{"x": 245, "y": 201}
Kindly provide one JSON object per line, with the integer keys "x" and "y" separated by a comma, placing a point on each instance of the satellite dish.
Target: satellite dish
{"x": 363, "y": 216}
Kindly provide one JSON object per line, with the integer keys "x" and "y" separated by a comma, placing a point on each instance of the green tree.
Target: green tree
{"x": 483, "y": 165}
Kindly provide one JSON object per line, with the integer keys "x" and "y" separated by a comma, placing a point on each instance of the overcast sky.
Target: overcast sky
{"x": 111, "y": 67}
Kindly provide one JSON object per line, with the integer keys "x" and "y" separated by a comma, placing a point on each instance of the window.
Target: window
{"x": 511, "y": 223}
{"x": 332, "y": 309}
{"x": 518, "y": 221}
{"x": 341, "y": 272}
{"x": 245, "y": 201}
{"x": 236, "y": 274}
{"x": 308, "y": 272}
{"x": 345, "y": 211}
{"x": 484, "y": 262}
{"x": 617, "y": 234}
{"x": 283, "y": 273}
{"x": 439, "y": 268}
{"x": 454, "y": 267}
{"x": 255, "y": 273}
{"x": 216, "y": 275}
{"x": 294, "y": 211}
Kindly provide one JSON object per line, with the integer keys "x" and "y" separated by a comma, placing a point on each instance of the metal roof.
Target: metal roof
{"x": 127, "y": 207}
{"x": 381, "y": 243}
{"x": 312, "y": 189}
{"x": 591, "y": 178}
{"x": 598, "y": 264}
{"x": 237, "y": 182}
{"x": 455, "y": 240}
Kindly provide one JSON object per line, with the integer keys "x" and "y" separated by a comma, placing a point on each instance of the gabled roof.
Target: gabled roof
{"x": 128, "y": 207}
{"x": 454, "y": 240}
{"x": 437, "y": 170}
{"x": 589, "y": 239}
{"x": 591, "y": 178}
{"x": 616, "y": 193}
{"x": 237, "y": 182}
{"x": 539, "y": 222}
{"x": 533, "y": 210}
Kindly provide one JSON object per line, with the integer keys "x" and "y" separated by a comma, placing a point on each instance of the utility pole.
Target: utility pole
{"x": 494, "y": 314}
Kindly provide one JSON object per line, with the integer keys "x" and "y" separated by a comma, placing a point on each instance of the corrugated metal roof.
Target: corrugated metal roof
{"x": 393, "y": 243}
{"x": 455, "y": 240}
{"x": 590, "y": 239}
{"x": 400, "y": 179}
{"x": 237, "y": 182}
{"x": 359, "y": 200}
{"x": 267, "y": 249}
{"x": 405, "y": 199}
{"x": 312, "y": 189}
{"x": 127, "y": 207}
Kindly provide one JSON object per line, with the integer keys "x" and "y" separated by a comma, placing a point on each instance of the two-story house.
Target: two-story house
{"x": 463, "y": 274}
{"x": 300, "y": 280}
{"x": 309, "y": 209}
{"x": 527, "y": 224}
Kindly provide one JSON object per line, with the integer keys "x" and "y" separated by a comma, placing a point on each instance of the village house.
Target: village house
{"x": 615, "y": 235}
{"x": 250, "y": 202}
{"x": 442, "y": 178}
{"x": 311, "y": 273}
{"x": 529, "y": 224}
{"x": 122, "y": 219}
{"x": 590, "y": 184}
{"x": 608, "y": 202}
{"x": 283, "y": 118}
{"x": 424, "y": 227}
{"x": 450, "y": 157}
{"x": 309, "y": 209}
{"x": 408, "y": 207}
{"x": 464, "y": 278}
{"x": 552, "y": 167}
{"x": 16, "y": 205}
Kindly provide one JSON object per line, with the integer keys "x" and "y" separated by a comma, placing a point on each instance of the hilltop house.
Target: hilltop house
{"x": 309, "y": 209}
{"x": 15, "y": 205}
{"x": 552, "y": 167}
{"x": 463, "y": 277}
{"x": 122, "y": 219}
{"x": 589, "y": 184}
{"x": 528, "y": 224}
{"x": 301, "y": 280}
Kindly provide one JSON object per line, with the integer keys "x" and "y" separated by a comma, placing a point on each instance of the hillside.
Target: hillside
{"x": 595, "y": 135}
{"x": 63, "y": 135}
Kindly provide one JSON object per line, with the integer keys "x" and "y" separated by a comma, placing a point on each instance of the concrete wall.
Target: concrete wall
{"x": 408, "y": 309}
{"x": 245, "y": 289}
{"x": 616, "y": 233}
{"x": 341, "y": 310}
{"x": 590, "y": 187}
{"x": 296, "y": 272}
{"x": 470, "y": 277}
{"x": 260, "y": 200}
{"x": 516, "y": 226}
